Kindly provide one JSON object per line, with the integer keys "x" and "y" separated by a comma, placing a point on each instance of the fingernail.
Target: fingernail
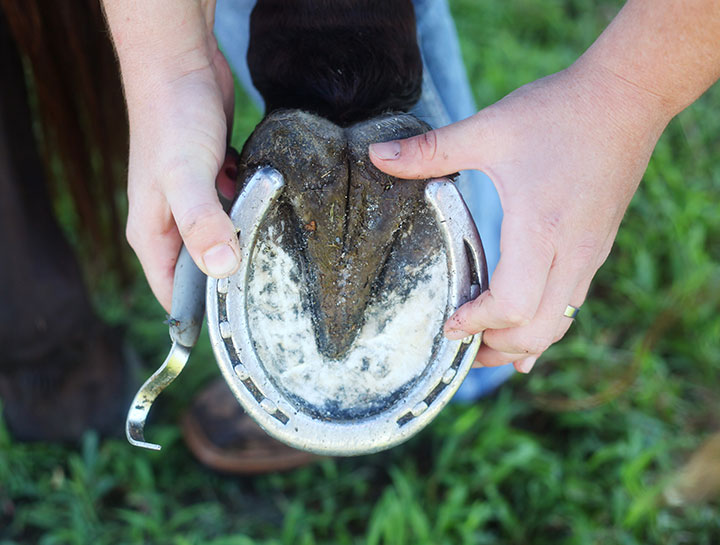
{"x": 456, "y": 334}
{"x": 220, "y": 260}
{"x": 387, "y": 151}
{"x": 526, "y": 365}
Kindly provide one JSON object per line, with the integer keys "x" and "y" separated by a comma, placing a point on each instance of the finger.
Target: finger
{"x": 576, "y": 299}
{"x": 516, "y": 288}
{"x": 152, "y": 234}
{"x": 208, "y": 233}
{"x": 524, "y": 345}
{"x": 567, "y": 283}
{"x": 489, "y": 357}
{"x": 525, "y": 365}
{"x": 435, "y": 153}
{"x": 536, "y": 336}
{"x": 158, "y": 264}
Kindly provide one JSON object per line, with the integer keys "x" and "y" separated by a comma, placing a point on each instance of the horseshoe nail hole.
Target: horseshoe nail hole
{"x": 459, "y": 356}
{"x": 432, "y": 396}
{"x": 281, "y": 416}
{"x": 257, "y": 394}
{"x": 404, "y": 419}
{"x": 470, "y": 256}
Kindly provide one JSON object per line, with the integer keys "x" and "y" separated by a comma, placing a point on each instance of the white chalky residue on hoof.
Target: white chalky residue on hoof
{"x": 392, "y": 348}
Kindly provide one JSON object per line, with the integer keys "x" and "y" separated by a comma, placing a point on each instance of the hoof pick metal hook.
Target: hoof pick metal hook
{"x": 188, "y": 310}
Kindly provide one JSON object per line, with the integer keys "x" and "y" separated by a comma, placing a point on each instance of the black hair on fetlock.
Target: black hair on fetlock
{"x": 345, "y": 60}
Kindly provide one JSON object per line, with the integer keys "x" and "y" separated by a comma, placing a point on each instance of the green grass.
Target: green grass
{"x": 577, "y": 452}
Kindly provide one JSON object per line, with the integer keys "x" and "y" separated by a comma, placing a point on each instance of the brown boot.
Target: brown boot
{"x": 224, "y": 438}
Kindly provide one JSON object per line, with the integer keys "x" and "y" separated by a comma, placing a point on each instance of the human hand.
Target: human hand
{"x": 179, "y": 92}
{"x": 566, "y": 154}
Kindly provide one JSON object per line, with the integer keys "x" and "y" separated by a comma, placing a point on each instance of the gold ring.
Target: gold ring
{"x": 571, "y": 312}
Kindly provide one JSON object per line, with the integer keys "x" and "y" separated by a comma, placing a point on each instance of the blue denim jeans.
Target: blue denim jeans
{"x": 446, "y": 98}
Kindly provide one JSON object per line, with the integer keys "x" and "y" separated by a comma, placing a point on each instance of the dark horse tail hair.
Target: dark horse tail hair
{"x": 75, "y": 88}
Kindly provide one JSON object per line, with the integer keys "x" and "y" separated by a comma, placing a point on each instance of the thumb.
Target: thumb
{"x": 207, "y": 231}
{"x": 435, "y": 153}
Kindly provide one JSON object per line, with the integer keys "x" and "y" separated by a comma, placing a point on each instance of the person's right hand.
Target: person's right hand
{"x": 566, "y": 154}
{"x": 179, "y": 92}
